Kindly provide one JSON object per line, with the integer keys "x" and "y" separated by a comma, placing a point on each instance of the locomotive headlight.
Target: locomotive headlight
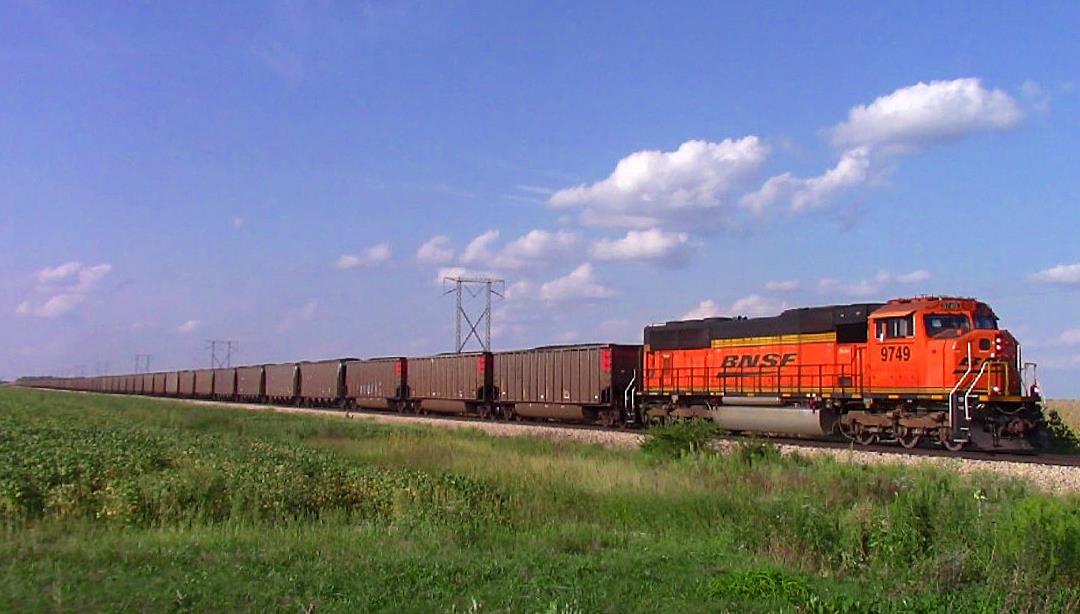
{"x": 996, "y": 389}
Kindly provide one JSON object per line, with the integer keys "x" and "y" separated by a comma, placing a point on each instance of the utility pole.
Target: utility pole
{"x": 221, "y": 351}
{"x": 142, "y": 363}
{"x": 101, "y": 367}
{"x": 473, "y": 287}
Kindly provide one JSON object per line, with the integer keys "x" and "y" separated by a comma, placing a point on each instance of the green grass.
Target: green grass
{"x": 114, "y": 503}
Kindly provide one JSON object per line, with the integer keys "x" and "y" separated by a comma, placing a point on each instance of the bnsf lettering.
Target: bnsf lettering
{"x": 758, "y": 360}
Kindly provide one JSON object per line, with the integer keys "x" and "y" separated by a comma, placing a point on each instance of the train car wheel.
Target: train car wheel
{"x": 909, "y": 440}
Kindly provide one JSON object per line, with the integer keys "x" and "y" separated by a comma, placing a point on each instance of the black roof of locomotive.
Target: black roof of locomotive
{"x": 693, "y": 334}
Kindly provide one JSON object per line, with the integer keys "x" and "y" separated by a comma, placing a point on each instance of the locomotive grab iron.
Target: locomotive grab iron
{"x": 926, "y": 370}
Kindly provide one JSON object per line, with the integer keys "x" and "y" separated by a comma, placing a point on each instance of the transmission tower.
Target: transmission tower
{"x": 473, "y": 287}
{"x": 142, "y": 363}
{"x": 221, "y": 351}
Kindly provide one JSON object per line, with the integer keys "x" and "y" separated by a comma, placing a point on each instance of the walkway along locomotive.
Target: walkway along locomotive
{"x": 933, "y": 370}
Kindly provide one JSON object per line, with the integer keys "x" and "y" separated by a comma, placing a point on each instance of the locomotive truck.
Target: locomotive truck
{"x": 926, "y": 370}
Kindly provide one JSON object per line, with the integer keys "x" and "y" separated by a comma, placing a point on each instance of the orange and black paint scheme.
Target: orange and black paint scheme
{"x": 911, "y": 370}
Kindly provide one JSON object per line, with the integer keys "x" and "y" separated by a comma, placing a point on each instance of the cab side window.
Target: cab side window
{"x": 896, "y": 328}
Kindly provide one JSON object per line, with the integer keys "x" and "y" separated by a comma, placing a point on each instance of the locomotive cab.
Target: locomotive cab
{"x": 948, "y": 354}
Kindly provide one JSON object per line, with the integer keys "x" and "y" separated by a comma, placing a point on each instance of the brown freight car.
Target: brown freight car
{"x": 204, "y": 383}
{"x": 322, "y": 383}
{"x": 224, "y": 383}
{"x": 172, "y": 384}
{"x": 158, "y": 384}
{"x": 187, "y": 384}
{"x": 250, "y": 383}
{"x": 576, "y": 383}
{"x": 379, "y": 383}
{"x": 452, "y": 383}
{"x": 282, "y": 382}
{"x": 147, "y": 385}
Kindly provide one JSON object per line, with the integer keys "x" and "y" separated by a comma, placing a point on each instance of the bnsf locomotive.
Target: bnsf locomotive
{"x": 931, "y": 370}
{"x": 911, "y": 370}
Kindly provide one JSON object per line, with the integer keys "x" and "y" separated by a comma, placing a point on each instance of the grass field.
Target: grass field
{"x": 1069, "y": 410}
{"x": 118, "y": 503}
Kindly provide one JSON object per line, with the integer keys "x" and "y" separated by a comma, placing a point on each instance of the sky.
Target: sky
{"x": 300, "y": 177}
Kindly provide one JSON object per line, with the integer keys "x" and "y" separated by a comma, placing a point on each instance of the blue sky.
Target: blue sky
{"x": 298, "y": 176}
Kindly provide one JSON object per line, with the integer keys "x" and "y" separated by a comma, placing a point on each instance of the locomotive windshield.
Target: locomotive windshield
{"x": 986, "y": 321}
{"x": 946, "y": 325}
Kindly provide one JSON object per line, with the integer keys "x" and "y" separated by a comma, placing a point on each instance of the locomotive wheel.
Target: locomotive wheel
{"x": 953, "y": 446}
{"x": 866, "y": 438}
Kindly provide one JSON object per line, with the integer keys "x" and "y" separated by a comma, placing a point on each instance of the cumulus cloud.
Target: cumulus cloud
{"x": 436, "y": 250}
{"x": 875, "y": 134}
{"x": 867, "y": 288}
{"x": 1062, "y": 274}
{"x": 650, "y": 188}
{"x": 653, "y": 244}
{"x": 66, "y": 286}
{"x": 579, "y": 284}
{"x": 753, "y": 305}
{"x": 372, "y": 255}
{"x": 914, "y": 277}
{"x": 188, "y": 327}
{"x": 479, "y": 251}
{"x": 784, "y": 285}
{"x": 805, "y": 194}
{"x": 928, "y": 112}
{"x": 1070, "y": 337}
{"x": 307, "y": 312}
{"x": 533, "y": 248}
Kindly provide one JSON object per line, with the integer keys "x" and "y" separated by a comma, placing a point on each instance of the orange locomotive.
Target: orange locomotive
{"x": 924, "y": 369}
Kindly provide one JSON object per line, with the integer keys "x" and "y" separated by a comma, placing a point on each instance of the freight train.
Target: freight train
{"x": 919, "y": 371}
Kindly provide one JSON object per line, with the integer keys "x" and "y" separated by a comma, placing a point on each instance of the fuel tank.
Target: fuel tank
{"x": 774, "y": 420}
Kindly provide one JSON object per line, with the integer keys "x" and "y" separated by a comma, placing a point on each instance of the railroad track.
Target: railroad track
{"x": 1057, "y": 460}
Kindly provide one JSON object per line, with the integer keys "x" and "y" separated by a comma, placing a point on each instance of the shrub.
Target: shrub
{"x": 677, "y": 439}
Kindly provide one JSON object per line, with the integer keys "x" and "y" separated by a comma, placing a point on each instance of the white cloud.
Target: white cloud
{"x": 532, "y": 248}
{"x": 378, "y": 253}
{"x": 459, "y": 271}
{"x": 348, "y": 261}
{"x": 1070, "y": 337}
{"x": 853, "y": 170}
{"x": 536, "y": 246}
{"x": 753, "y": 305}
{"x": 436, "y": 250}
{"x": 650, "y": 188}
{"x": 58, "y": 305}
{"x": 479, "y": 251}
{"x": 578, "y": 284}
{"x": 307, "y": 312}
{"x": 59, "y": 272}
{"x": 372, "y": 255}
{"x": 705, "y": 309}
{"x": 69, "y": 284}
{"x": 188, "y": 327}
{"x": 653, "y": 244}
{"x": 914, "y": 277}
{"x": 867, "y": 288}
{"x": 1064, "y": 274}
{"x": 928, "y": 112}
{"x": 785, "y": 285}
{"x": 1035, "y": 95}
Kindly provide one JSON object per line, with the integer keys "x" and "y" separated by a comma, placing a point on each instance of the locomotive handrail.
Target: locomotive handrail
{"x": 974, "y": 382}
{"x": 959, "y": 382}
